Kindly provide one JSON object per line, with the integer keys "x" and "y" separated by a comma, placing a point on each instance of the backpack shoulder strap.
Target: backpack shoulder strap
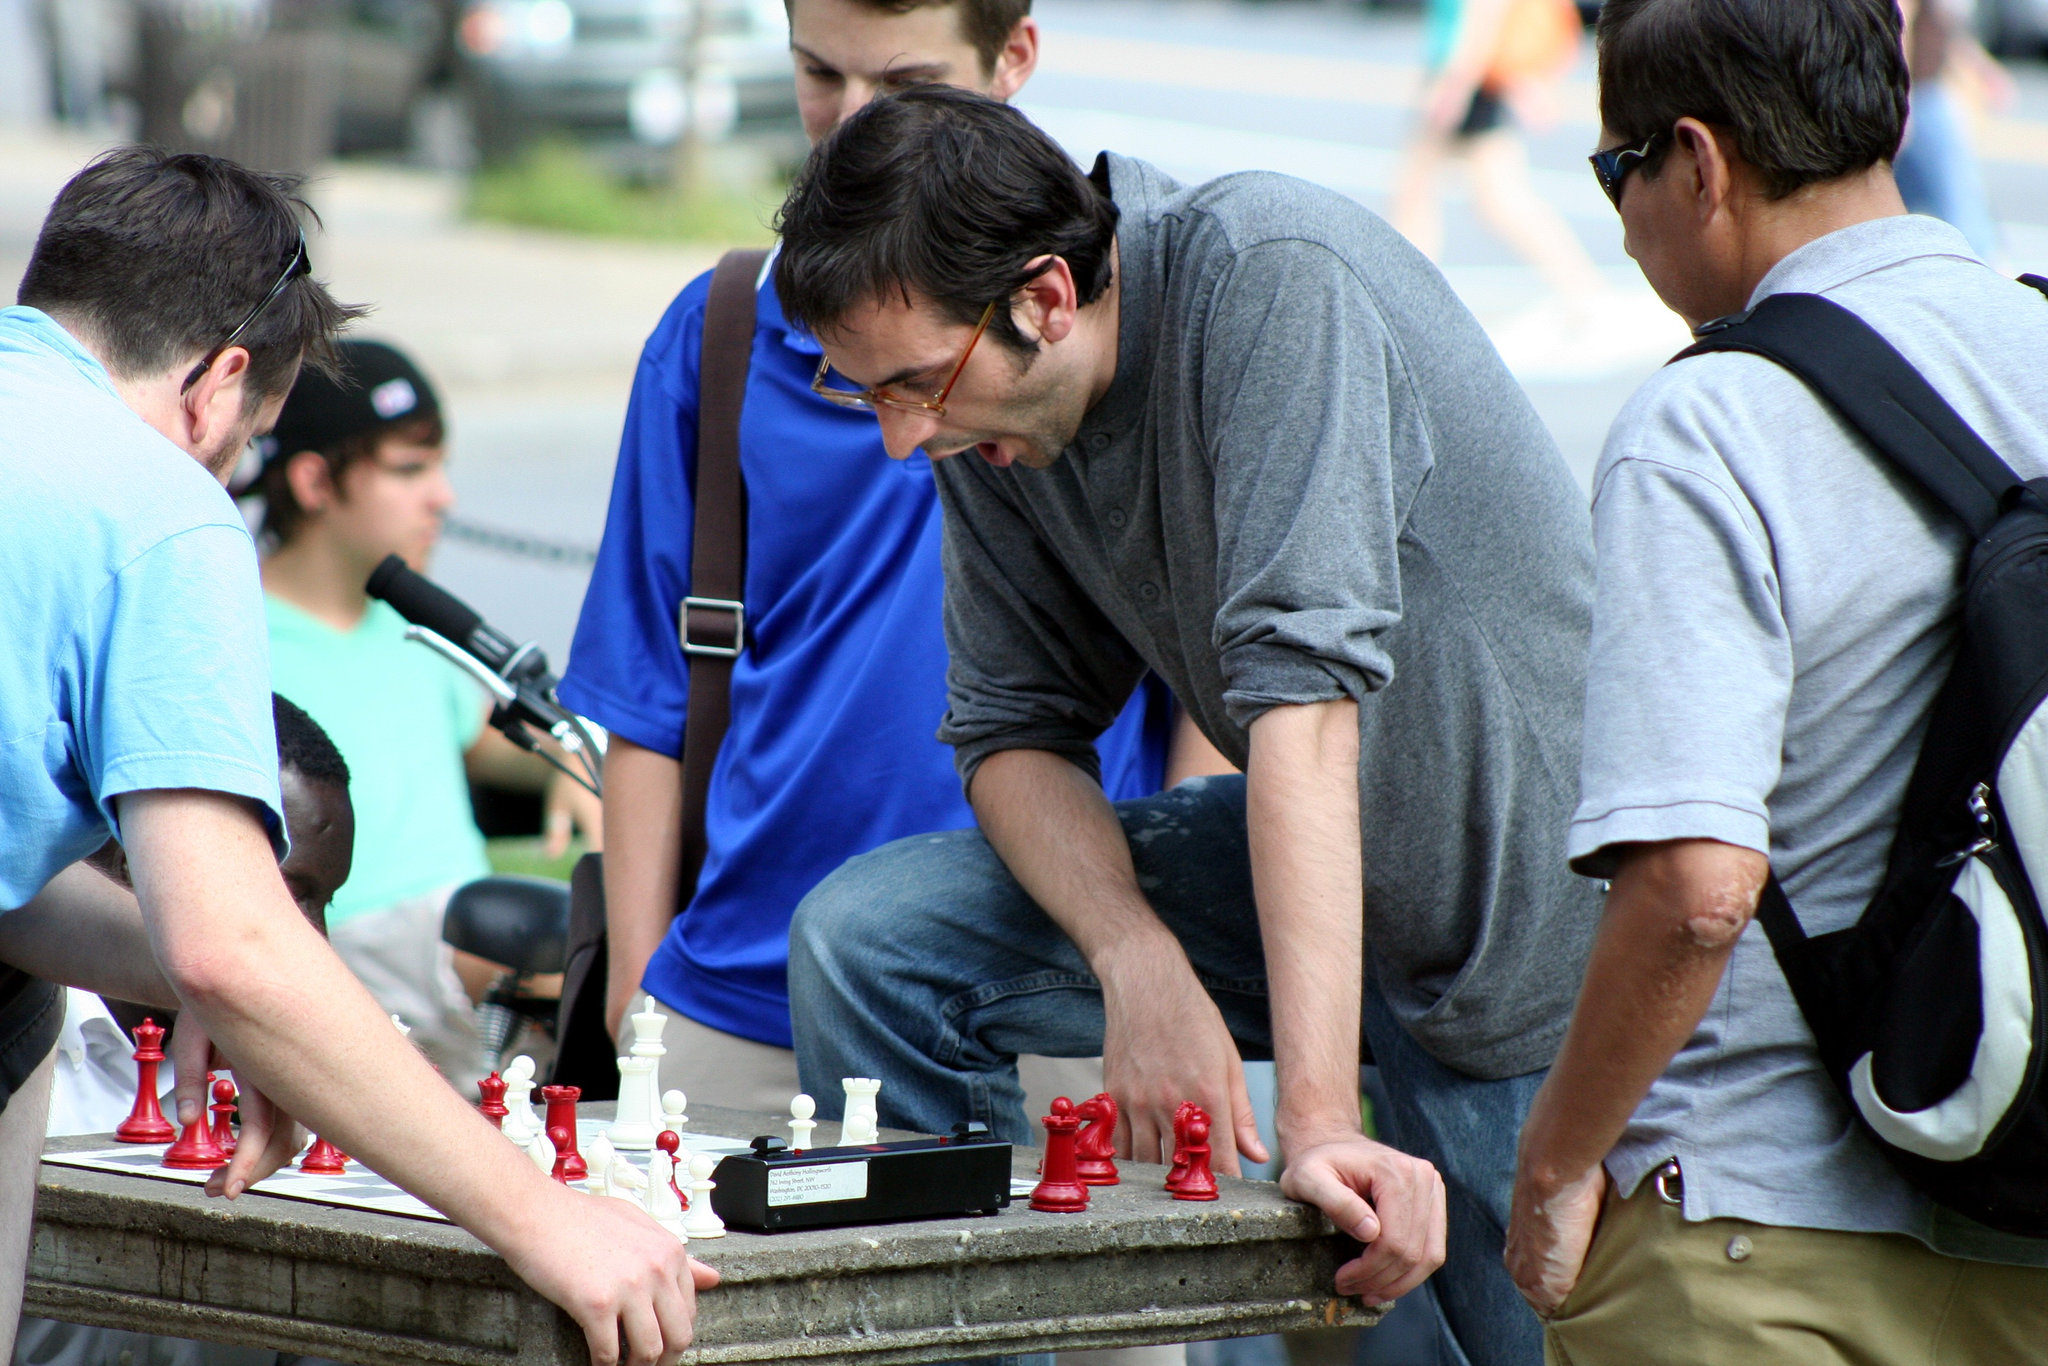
{"x": 712, "y": 621}
{"x": 2037, "y": 281}
{"x": 1879, "y": 392}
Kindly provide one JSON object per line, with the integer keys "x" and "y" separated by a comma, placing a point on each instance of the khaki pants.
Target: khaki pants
{"x": 398, "y": 953}
{"x": 712, "y": 1067}
{"x": 1726, "y": 1292}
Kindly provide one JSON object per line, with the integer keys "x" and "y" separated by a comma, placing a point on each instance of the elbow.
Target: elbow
{"x": 1709, "y": 890}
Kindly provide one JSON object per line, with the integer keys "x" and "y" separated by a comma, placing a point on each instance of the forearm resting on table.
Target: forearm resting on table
{"x": 85, "y": 930}
{"x": 643, "y": 824}
{"x": 1301, "y": 797}
{"x": 1672, "y": 918}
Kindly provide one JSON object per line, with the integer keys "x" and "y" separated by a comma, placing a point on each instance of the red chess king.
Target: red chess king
{"x": 1095, "y": 1149}
{"x": 1060, "y": 1190}
{"x": 492, "y": 1089}
{"x": 562, "y": 1113}
{"x": 146, "y": 1122}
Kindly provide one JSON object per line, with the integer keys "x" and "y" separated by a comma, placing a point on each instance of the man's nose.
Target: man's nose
{"x": 442, "y": 493}
{"x": 853, "y": 96}
{"x": 903, "y": 432}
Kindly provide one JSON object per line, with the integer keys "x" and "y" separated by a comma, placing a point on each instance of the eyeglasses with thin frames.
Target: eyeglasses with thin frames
{"x": 300, "y": 264}
{"x": 867, "y": 400}
{"x": 1612, "y": 166}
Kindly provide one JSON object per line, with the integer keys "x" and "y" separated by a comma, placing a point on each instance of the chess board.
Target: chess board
{"x": 356, "y": 1188}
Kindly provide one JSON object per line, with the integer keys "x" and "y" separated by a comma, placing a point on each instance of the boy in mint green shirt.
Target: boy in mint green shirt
{"x": 355, "y": 472}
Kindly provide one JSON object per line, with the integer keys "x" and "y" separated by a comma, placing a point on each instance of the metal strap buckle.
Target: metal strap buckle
{"x": 716, "y": 651}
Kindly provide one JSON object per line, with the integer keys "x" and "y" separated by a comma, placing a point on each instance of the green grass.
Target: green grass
{"x": 523, "y": 854}
{"x": 561, "y": 187}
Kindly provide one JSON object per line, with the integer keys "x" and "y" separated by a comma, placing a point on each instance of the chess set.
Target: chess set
{"x": 692, "y": 1184}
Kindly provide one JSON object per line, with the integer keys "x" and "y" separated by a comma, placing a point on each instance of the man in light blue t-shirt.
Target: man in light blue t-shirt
{"x": 165, "y": 312}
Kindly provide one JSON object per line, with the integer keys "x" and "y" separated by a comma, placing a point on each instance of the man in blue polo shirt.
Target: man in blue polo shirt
{"x": 831, "y": 750}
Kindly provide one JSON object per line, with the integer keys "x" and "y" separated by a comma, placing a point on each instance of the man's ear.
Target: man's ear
{"x": 218, "y": 400}
{"x": 1713, "y": 161}
{"x": 1018, "y": 59}
{"x": 1049, "y": 306}
{"x": 311, "y": 481}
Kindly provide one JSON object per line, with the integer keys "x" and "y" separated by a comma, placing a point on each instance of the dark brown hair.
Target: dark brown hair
{"x": 159, "y": 255}
{"x": 1811, "y": 89}
{"x": 985, "y": 24}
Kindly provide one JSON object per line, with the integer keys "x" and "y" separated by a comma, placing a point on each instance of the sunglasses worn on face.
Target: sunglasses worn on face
{"x": 300, "y": 264}
{"x": 1612, "y": 166}
{"x": 870, "y": 399}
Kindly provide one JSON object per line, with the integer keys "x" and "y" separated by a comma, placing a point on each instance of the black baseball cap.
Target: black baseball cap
{"x": 376, "y": 385}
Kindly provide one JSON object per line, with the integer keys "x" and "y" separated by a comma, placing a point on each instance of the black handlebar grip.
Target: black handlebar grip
{"x": 423, "y": 602}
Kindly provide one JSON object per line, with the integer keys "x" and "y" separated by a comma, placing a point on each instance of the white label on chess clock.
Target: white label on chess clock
{"x": 816, "y": 1185}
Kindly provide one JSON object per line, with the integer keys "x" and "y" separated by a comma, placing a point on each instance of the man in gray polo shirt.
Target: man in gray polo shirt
{"x": 1776, "y": 611}
{"x": 1243, "y": 435}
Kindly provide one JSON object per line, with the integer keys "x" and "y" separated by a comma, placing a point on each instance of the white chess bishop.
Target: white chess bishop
{"x": 860, "y": 1123}
{"x": 639, "y": 1111}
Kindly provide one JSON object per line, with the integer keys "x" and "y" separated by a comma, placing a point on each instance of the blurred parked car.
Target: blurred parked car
{"x": 2015, "y": 28}
{"x": 619, "y": 69}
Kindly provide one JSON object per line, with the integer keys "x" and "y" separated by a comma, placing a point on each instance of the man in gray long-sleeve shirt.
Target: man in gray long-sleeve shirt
{"x": 1243, "y": 435}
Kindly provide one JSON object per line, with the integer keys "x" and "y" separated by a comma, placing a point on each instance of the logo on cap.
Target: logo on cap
{"x": 393, "y": 398}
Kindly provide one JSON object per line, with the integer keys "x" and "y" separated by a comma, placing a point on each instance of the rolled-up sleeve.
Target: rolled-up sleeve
{"x": 1691, "y": 666}
{"x": 1297, "y": 371}
{"x": 1033, "y": 663}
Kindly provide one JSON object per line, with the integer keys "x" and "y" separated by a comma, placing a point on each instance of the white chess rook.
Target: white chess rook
{"x": 700, "y": 1220}
{"x": 860, "y": 1123}
{"x": 648, "y": 1024}
{"x": 631, "y": 1131}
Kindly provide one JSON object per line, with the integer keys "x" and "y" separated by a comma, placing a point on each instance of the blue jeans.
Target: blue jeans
{"x": 1937, "y": 169}
{"x": 925, "y": 964}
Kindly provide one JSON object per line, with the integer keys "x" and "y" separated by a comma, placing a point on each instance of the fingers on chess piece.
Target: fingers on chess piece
{"x": 1059, "y": 1190}
{"x": 146, "y": 1122}
{"x": 223, "y": 1108}
{"x": 563, "y": 1140}
{"x": 561, "y": 1101}
{"x": 1095, "y": 1147}
{"x": 801, "y": 1125}
{"x": 323, "y": 1159}
{"x": 860, "y": 1123}
{"x": 1199, "y": 1182}
{"x": 195, "y": 1150}
{"x": 700, "y": 1220}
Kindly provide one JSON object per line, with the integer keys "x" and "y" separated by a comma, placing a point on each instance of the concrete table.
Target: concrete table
{"x": 1139, "y": 1267}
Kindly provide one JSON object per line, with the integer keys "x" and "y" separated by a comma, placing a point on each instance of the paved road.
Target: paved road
{"x": 535, "y": 336}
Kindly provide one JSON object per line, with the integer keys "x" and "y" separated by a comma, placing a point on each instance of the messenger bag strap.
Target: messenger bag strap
{"x": 712, "y": 621}
{"x": 1878, "y": 392}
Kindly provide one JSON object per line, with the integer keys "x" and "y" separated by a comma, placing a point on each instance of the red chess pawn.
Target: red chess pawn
{"x": 562, "y": 1114}
{"x": 146, "y": 1122}
{"x": 1060, "y": 1190}
{"x": 1095, "y": 1148}
{"x": 1200, "y": 1182}
{"x": 1179, "y": 1171}
{"x": 195, "y": 1150}
{"x": 564, "y": 1140}
{"x": 223, "y": 1107}
{"x": 323, "y": 1159}
{"x": 492, "y": 1089}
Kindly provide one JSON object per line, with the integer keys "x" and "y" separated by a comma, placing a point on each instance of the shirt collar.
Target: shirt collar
{"x": 768, "y": 314}
{"x": 1137, "y": 190}
{"x": 1832, "y": 261}
{"x": 30, "y": 329}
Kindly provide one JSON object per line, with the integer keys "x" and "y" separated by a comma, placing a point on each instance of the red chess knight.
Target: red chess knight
{"x": 1095, "y": 1148}
{"x": 1199, "y": 1183}
{"x": 1060, "y": 1190}
{"x": 146, "y": 1122}
{"x": 1179, "y": 1171}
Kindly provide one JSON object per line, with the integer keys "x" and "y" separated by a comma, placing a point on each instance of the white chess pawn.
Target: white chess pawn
{"x": 801, "y": 1108}
{"x": 860, "y": 1123}
{"x": 700, "y": 1220}
{"x": 542, "y": 1151}
{"x": 404, "y": 1029}
{"x": 522, "y": 1122}
{"x": 672, "y": 1116}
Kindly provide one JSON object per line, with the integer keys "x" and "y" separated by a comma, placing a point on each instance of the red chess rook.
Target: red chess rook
{"x": 146, "y": 1122}
{"x": 1060, "y": 1190}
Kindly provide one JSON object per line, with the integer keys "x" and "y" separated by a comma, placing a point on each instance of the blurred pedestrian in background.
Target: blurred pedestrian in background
{"x": 1490, "y": 61}
{"x": 1937, "y": 168}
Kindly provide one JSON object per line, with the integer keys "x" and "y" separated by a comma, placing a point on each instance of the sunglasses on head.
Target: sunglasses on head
{"x": 299, "y": 264}
{"x": 1612, "y": 166}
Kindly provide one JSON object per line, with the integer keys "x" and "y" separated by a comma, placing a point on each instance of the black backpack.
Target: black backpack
{"x": 1931, "y": 1012}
